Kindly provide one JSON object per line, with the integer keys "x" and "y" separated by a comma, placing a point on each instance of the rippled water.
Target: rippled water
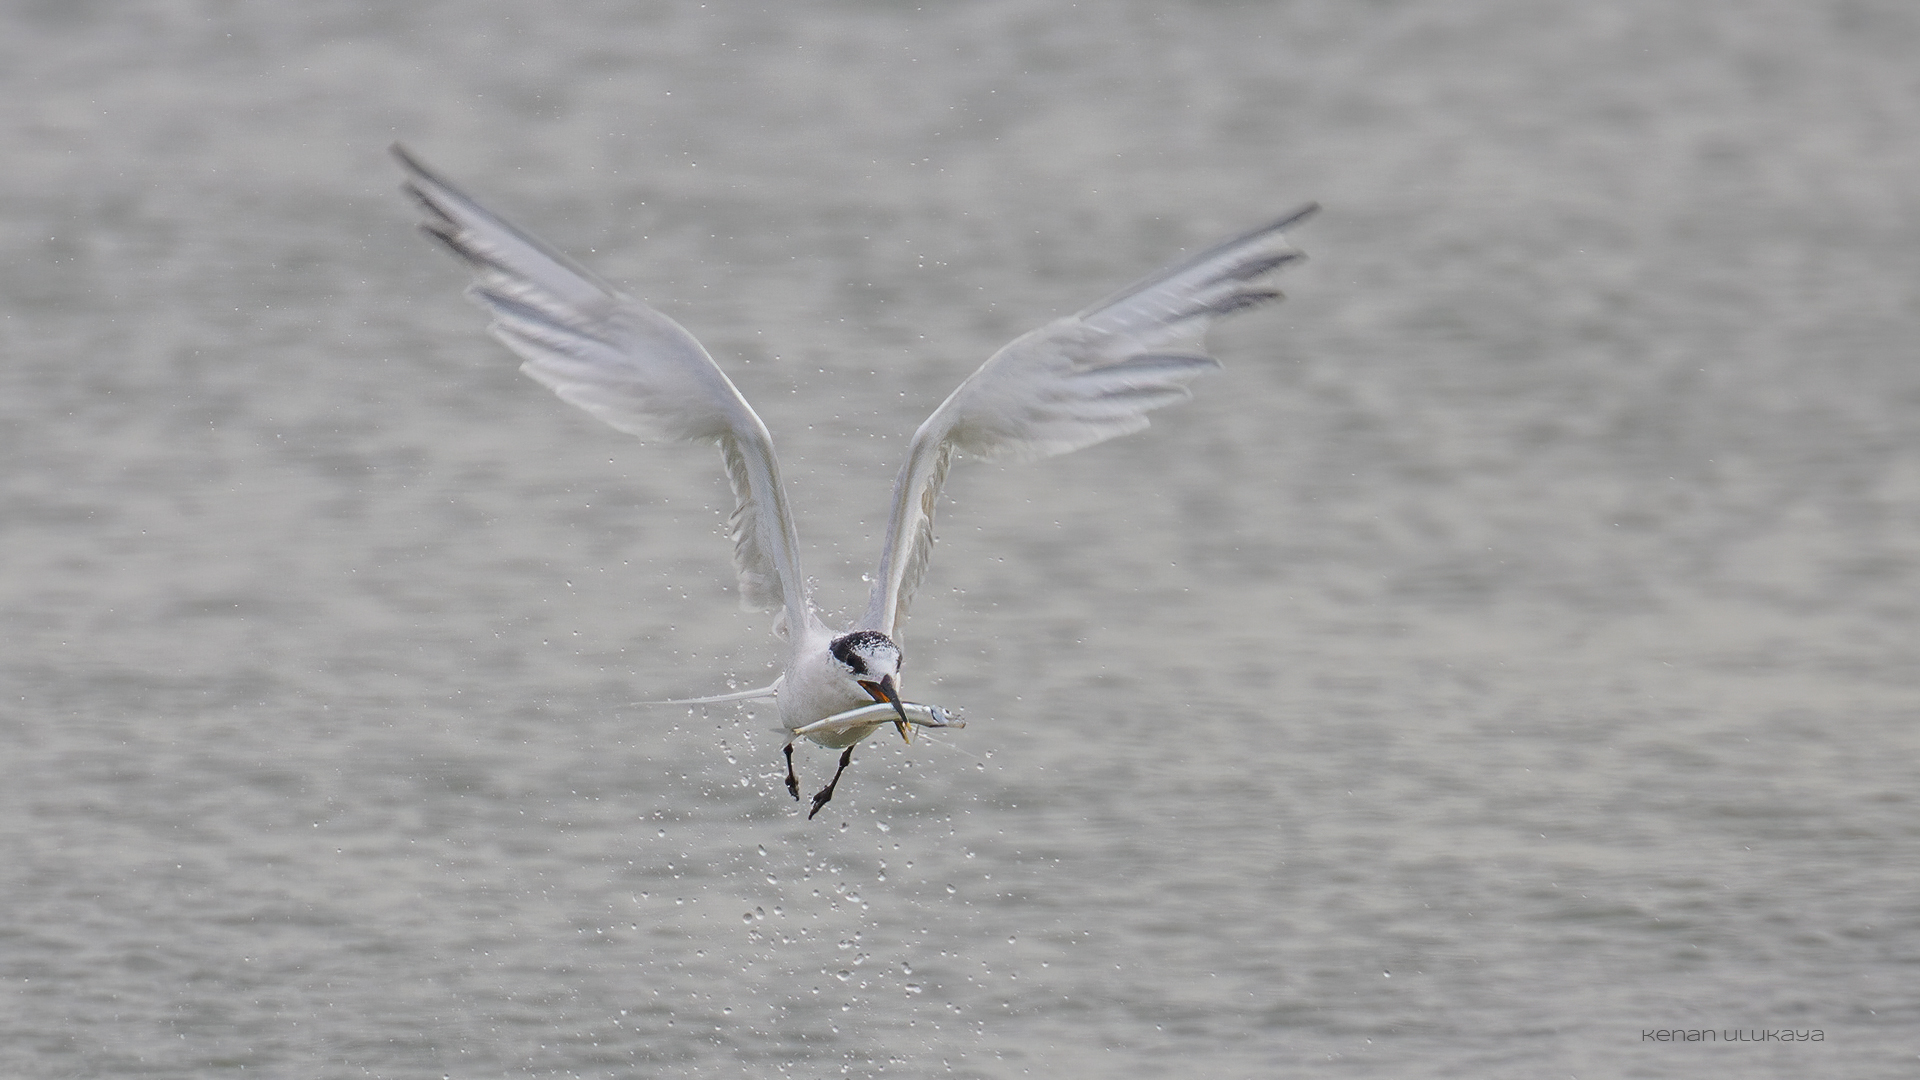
{"x": 1509, "y": 653}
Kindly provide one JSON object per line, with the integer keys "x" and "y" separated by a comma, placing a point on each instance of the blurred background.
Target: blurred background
{"x": 1509, "y": 652}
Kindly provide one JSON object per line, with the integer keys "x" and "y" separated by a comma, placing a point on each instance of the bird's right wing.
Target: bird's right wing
{"x": 1072, "y": 383}
{"x": 627, "y": 364}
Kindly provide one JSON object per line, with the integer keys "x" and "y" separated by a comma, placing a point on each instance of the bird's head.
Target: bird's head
{"x": 872, "y": 660}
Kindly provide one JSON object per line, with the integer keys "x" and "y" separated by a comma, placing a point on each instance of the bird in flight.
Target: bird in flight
{"x": 1072, "y": 383}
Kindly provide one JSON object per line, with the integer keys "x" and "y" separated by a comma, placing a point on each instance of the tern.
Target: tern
{"x": 1074, "y": 382}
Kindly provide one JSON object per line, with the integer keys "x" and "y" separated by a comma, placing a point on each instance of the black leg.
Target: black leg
{"x": 826, "y": 793}
{"x": 793, "y": 782}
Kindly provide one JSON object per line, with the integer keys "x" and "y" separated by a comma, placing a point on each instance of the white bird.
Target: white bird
{"x": 1070, "y": 384}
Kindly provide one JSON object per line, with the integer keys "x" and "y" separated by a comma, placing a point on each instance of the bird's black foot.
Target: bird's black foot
{"x": 793, "y": 782}
{"x": 826, "y": 793}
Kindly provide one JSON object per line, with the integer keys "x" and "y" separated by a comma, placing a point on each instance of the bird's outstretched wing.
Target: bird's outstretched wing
{"x": 758, "y": 693}
{"x": 627, "y": 364}
{"x": 1072, "y": 383}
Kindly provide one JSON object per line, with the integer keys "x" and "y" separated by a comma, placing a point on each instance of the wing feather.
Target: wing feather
{"x": 1073, "y": 383}
{"x": 630, "y": 366}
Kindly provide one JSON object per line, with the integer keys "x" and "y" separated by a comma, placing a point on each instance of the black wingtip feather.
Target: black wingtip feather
{"x": 413, "y": 165}
{"x": 446, "y": 235}
{"x": 1267, "y": 265}
{"x": 1245, "y": 271}
{"x": 1245, "y": 299}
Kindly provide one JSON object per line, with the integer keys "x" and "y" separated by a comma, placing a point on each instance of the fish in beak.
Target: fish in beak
{"x": 884, "y": 691}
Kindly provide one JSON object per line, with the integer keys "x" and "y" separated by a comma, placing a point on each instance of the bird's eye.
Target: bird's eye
{"x": 855, "y": 649}
{"x": 842, "y": 650}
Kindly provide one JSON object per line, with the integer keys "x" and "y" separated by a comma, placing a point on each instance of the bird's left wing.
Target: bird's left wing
{"x": 1072, "y": 383}
{"x": 627, "y": 364}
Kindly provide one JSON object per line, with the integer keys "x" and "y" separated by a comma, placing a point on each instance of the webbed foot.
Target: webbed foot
{"x": 826, "y": 793}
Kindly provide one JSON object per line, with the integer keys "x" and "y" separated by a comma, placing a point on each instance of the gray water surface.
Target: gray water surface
{"x": 1510, "y": 652}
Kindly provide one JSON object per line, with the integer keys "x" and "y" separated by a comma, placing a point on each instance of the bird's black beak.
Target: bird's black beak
{"x": 884, "y": 691}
